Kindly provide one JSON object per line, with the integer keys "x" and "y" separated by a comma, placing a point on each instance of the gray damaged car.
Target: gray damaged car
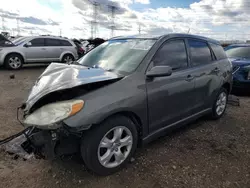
{"x": 123, "y": 94}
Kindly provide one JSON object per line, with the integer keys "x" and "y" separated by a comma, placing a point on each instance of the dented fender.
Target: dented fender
{"x": 110, "y": 100}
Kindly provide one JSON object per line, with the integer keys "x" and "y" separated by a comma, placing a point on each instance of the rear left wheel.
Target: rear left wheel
{"x": 220, "y": 104}
{"x": 67, "y": 58}
{"x": 108, "y": 147}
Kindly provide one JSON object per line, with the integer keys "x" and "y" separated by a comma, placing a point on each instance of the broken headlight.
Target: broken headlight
{"x": 50, "y": 115}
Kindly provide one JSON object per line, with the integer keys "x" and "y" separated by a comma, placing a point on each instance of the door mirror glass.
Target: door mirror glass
{"x": 28, "y": 44}
{"x": 159, "y": 71}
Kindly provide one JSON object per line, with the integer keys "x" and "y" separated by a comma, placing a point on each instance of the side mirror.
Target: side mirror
{"x": 160, "y": 71}
{"x": 27, "y": 44}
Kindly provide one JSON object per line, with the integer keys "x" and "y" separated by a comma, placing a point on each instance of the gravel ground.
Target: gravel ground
{"x": 203, "y": 154}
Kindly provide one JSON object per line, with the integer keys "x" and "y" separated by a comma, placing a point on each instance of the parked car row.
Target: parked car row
{"x": 39, "y": 49}
{"x": 46, "y": 49}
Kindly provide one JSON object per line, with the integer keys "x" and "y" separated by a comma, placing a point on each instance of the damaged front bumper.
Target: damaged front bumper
{"x": 50, "y": 141}
{"x": 50, "y": 144}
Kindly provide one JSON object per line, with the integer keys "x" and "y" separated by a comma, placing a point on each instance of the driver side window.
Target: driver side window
{"x": 172, "y": 53}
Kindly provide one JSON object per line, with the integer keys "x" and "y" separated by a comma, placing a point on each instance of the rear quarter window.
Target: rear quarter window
{"x": 52, "y": 42}
{"x": 200, "y": 52}
{"x": 218, "y": 51}
{"x": 65, "y": 43}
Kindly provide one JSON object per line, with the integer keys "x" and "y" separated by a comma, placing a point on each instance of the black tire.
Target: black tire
{"x": 67, "y": 57}
{"x": 215, "y": 115}
{"x": 17, "y": 64}
{"x": 92, "y": 139}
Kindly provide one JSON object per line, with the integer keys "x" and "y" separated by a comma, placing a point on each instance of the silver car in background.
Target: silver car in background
{"x": 38, "y": 49}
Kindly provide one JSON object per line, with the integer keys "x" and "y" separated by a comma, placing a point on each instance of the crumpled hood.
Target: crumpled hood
{"x": 60, "y": 76}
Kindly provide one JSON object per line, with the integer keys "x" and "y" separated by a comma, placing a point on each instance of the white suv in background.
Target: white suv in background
{"x": 38, "y": 49}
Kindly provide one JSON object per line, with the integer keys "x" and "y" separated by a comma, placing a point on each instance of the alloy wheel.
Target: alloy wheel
{"x": 221, "y": 103}
{"x": 68, "y": 59}
{"x": 15, "y": 62}
{"x": 115, "y": 147}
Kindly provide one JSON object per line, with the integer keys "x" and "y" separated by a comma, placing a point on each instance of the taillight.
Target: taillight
{"x": 81, "y": 50}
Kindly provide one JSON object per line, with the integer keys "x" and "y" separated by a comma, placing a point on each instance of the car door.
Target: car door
{"x": 170, "y": 98}
{"x": 34, "y": 50}
{"x": 54, "y": 49}
{"x": 206, "y": 73}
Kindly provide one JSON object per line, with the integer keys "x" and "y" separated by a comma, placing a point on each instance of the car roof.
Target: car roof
{"x": 136, "y": 37}
{"x": 170, "y": 35}
{"x": 50, "y": 37}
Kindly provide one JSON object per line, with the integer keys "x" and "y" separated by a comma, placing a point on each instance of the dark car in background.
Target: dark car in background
{"x": 4, "y": 42}
{"x": 80, "y": 50}
{"x": 124, "y": 93}
{"x": 93, "y": 43}
{"x": 239, "y": 55}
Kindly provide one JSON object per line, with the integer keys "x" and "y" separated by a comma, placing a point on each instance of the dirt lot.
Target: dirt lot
{"x": 203, "y": 154}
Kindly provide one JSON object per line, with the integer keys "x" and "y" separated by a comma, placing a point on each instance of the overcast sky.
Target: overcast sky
{"x": 219, "y": 19}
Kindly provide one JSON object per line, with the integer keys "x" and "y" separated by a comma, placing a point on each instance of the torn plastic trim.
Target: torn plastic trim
{"x": 25, "y": 132}
{"x": 50, "y": 144}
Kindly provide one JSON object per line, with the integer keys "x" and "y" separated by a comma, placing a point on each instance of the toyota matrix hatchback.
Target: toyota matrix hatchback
{"x": 125, "y": 93}
{"x": 39, "y": 49}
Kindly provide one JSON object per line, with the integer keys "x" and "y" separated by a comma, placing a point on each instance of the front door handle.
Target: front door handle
{"x": 43, "y": 48}
{"x": 189, "y": 78}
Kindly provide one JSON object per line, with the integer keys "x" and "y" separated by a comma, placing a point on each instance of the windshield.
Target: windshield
{"x": 238, "y": 51}
{"x": 123, "y": 56}
{"x": 19, "y": 41}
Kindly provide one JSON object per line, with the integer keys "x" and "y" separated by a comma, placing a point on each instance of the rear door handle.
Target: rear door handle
{"x": 43, "y": 48}
{"x": 189, "y": 78}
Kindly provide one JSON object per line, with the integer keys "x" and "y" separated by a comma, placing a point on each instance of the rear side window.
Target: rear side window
{"x": 65, "y": 43}
{"x": 37, "y": 42}
{"x": 52, "y": 42}
{"x": 200, "y": 52}
{"x": 218, "y": 51}
{"x": 173, "y": 54}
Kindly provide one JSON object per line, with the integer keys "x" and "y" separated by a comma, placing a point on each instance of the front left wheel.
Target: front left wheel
{"x": 13, "y": 61}
{"x": 108, "y": 147}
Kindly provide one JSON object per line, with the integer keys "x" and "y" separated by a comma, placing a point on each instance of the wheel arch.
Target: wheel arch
{"x": 129, "y": 114}
{"x": 10, "y": 53}
{"x": 65, "y": 53}
{"x": 227, "y": 86}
